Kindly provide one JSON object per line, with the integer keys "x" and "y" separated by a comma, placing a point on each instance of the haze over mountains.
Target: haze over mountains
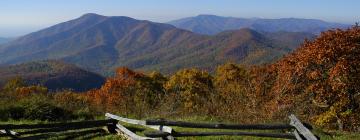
{"x": 211, "y": 24}
{"x": 100, "y": 44}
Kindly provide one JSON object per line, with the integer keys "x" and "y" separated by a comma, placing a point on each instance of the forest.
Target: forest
{"x": 318, "y": 82}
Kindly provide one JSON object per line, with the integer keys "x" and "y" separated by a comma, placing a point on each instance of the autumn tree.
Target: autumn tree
{"x": 320, "y": 80}
{"x": 129, "y": 92}
{"x": 230, "y": 79}
{"x": 16, "y": 88}
{"x": 28, "y": 90}
{"x": 232, "y": 83}
{"x": 193, "y": 88}
{"x": 14, "y": 83}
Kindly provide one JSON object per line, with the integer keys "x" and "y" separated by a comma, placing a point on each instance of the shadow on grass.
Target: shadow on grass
{"x": 135, "y": 129}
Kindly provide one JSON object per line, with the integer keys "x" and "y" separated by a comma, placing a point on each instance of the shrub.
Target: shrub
{"x": 12, "y": 112}
{"x": 44, "y": 111}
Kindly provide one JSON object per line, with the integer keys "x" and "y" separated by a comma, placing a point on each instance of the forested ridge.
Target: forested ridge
{"x": 318, "y": 82}
{"x": 55, "y": 75}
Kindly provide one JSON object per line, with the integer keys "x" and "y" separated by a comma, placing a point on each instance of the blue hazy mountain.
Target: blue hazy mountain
{"x": 4, "y": 40}
{"x": 211, "y": 24}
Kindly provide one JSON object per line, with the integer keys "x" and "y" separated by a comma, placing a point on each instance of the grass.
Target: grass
{"x": 336, "y": 135}
{"x": 101, "y": 134}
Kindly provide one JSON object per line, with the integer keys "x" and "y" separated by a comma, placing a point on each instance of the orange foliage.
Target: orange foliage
{"x": 127, "y": 90}
{"x": 25, "y": 91}
{"x": 324, "y": 75}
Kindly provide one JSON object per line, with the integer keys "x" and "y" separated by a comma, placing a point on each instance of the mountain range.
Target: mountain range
{"x": 101, "y": 43}
{"x": 211, "y": 24}
{"x": 54, "y": 75}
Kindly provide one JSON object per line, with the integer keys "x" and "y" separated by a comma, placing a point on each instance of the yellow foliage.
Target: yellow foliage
{"x": 192, "y": 86}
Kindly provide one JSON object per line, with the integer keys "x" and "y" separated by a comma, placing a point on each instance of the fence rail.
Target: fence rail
{"x": 9, "y": 129}
{"x": 218, "y": 125}
{"x": 139, "y": 122}
{"x": 188, "y": 134}
{"x": 80, "y": 124}
{"x": 127, "y": 133}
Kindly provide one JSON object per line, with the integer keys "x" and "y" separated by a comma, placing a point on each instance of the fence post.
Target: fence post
{"x": 167, "y": 137}
{"x": 308, "y": 135}
{"x": 111, "y": 127}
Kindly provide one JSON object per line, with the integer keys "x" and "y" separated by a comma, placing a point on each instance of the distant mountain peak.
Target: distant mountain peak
{"x": 87, "y": 15}
{"x": 121, "y": 17}
{"x": 92, "y": 15}
{"x": 243, "y": 34}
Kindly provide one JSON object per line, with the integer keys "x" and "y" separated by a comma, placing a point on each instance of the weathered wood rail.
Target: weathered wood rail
{"x": 219, "y": 125}
{"x": 80, "y": 124}
{"x": 296, "y": 129}
{"x": 130, "y": 135}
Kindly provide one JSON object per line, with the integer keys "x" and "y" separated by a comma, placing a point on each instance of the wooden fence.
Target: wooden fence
{"x": 162, "y": 129}
{"x": 297, "y": 130}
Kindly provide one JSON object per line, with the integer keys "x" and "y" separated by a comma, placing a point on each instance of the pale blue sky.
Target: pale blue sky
{"x": 18, "y": 17}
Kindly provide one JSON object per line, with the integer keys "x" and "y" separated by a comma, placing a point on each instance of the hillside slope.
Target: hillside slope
{"x": 55, "y": 75}
{"x": 211, "y": 24}
{"x": 243, "y": 46}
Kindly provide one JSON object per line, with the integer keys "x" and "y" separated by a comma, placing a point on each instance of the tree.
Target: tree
{"x": 232, "y": 86}
{"x": 14, "y": 83}
{"x": 322, "y": 74}
{"x": 231, "y": 79}
{"x": 129, "y": 92}
{"x": 192, "y": 86}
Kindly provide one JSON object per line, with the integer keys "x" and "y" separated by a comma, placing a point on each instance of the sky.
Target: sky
{"x": 19, "y": 17}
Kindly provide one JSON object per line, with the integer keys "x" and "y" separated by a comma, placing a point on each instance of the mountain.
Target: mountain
{"x": 100, "y": 44}
{"x": 4, "y": 40}
{"x": 211, "y": 24}
{"x": 55, "y": 75}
